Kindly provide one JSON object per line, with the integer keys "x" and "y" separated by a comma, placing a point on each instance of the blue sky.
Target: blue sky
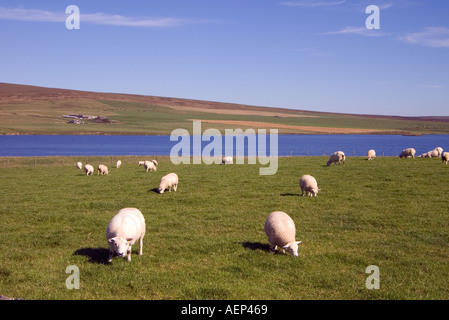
{"x": 300, "y": 54}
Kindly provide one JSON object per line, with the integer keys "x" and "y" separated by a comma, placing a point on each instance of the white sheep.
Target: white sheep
{"x": 123, "y": 230}
{"x": 141, "y": 163}
{"x": 168, "y": 182}
{"x": 79, "y": 165}
{"x": 439, "y": 150}
{"x": 227, "y": 160}
{"x": 102, "y": 169}
{"x": 281, "y": 232}
{"x": 445, "y": 157}
{"x": 308, "y": 185}
{"x": 118, "y": 164}
{"x": 155, "y": 162}
{"x": 371, "y": 154}
{"x": 88, "y": 169}
{"x": 425, "y": 155}
{"x": 409, "y": 152}
{"x": 149, "y": 165}
{"x": 336, "y": 157}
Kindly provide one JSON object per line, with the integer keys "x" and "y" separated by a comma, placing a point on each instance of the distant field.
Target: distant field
{"x": 206, "y": 241}
{"x": 37, "y": 110}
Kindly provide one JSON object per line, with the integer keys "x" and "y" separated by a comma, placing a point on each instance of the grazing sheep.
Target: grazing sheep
{"x": 410, "y": 152}
{"x": 88, "y": 169}
{"x": 141, "y": 163}
{"x": 336, "y": 157}
{"x": 155, "y": 162}
{"x": 439, "y": 150}
{"x": 79, "y": 165}
{"x": 425, "y": 155}
{"x": 371, "y": 154}
{"x": 102, "y": 169}
{"x": 123, "y": 230}
{"x": 445, "y": 157}
{"x": 227, "y": 160}
{"x": 308, "y": 185}
{"x": 168, "y": 182}
{"x": 118, "y": 164}
{"x": 280, "y": 230}
{"x": 149, "y": 165}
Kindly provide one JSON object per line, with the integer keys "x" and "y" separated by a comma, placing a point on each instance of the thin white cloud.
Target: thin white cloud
{"x": 436, "y": 37}
{"x": 362, "y": 31}
{"x": 311, "y": 3}
{"x": 36, "y": 15}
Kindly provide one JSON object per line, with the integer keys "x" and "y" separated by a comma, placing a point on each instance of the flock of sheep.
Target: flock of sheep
{"x": 128, "y": 225}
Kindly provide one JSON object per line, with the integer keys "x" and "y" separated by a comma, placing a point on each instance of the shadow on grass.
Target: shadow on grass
{"x": 256, "y": 246}
{"x": 155, "y": 190}
{"x": 95, "y": 255}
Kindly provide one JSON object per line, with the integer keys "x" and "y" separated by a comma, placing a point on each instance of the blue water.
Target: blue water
{"x": 312, "y": 145}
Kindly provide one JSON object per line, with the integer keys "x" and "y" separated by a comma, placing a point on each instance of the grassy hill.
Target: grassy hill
{"x": 38, "y": 110}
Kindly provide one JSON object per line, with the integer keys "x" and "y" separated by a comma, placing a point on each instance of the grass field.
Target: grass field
{"x": 206, "y": 241}
{"x": 38, "y": 110}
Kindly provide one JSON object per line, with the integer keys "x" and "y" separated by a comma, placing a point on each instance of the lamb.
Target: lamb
{"x": 118, "y": 164}
{"x": 123, "y": 230}
{"x": 168, "y": 182}
{"x": 308, "y": 185}
{"x": 280, "y": 230}
{"x": 227, "y": 160}
{"x": 445, "y": 157}
{"x": 149, "y": 165}
{"x": 88, "y": 169}
{"x": 79, "y": 165}
{"x": 336, "y": 157}
{"x": 102, "y": 169}
{"x": 409, "y": 152}
{"x": 371, "y": 154}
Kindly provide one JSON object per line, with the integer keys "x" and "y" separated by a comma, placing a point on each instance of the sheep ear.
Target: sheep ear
{"x": 285, "y": 247}
{"x": 112, "y": 240}
{"x": 298, "y": 242}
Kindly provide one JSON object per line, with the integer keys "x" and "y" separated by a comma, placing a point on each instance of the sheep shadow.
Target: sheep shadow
{"x": 95, "y": 255}
{"x": 256, "y": 246}
{"x": 155, "y": 190}
{"x": 290, "y": 194}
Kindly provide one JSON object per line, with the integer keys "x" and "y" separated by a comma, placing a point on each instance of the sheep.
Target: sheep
{"x": 102, "y": 169}
{"x": 118, "y": 164}
{"x": 371, "y": 154}
{"x": 308, "y": 185}
{"x": 149, "y": 165}
{"x": 409, "y": 152}
{"x": 155, "y": 162}
{"x": 141, "y": 163}
{"x": 123, "y": 230}
{"x": 79, "y": 165}
{"x": 168, "y": 182}
{"x": 88, "y": 169}
{"x": 336, "y": 157}
{"x": 439, "y": 150}
{"x": 227, "y": 160}
{"x": 425, "y": 155}
{"x": 280, "y": 230}
{"x": 445, "y": 157}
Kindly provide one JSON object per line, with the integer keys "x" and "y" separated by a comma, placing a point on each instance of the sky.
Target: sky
{"x": 316, "y": 55}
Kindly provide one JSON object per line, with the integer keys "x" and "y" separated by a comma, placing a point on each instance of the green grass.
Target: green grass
{"x": 206, "y": 241}
{"x": 136, "y": 118}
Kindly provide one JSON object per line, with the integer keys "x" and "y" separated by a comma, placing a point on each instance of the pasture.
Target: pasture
{"x": 207, "y": 240}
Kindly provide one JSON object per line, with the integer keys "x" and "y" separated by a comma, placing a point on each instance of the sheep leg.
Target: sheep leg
{"x": 129, "y": 253}
{"x": 111, "y": 254}
{"x": 140, "y": 245}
